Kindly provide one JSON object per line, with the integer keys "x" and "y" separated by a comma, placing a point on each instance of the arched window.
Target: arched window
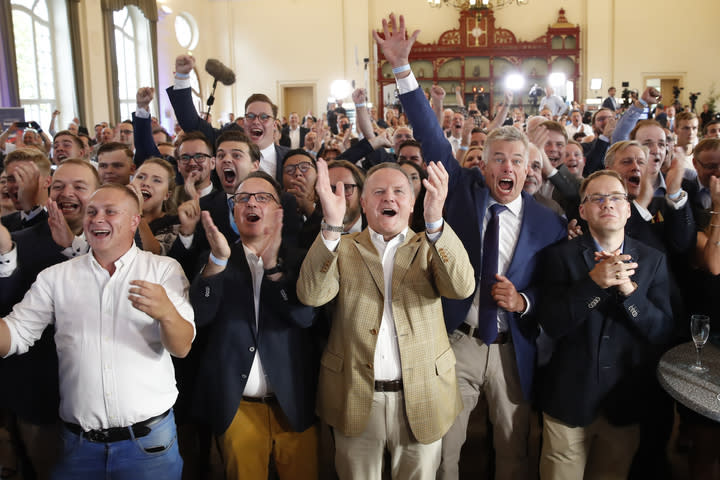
{"x": 133, "y": 56}
{"x": 43, "y": 59}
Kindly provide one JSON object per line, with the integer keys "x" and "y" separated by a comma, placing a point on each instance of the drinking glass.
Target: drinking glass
{"x": 700, "y": 331}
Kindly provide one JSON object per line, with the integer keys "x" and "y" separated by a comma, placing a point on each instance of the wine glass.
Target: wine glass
{"x": 700, "y": 331}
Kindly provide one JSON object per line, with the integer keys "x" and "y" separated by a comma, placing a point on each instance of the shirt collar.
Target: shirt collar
{"x": 515, "y": 206}
{"x": 206, "y": 191}
{"x": 378, "y": 238}
{"x": 126, "y": 259}
{"x": 270, "y": 149}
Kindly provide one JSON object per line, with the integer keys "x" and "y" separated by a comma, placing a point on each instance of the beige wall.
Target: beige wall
{"x": 285, "y": 42}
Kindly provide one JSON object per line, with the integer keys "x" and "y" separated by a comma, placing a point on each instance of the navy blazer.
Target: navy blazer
{"x": 224, "y": 302}
{"x": 34, "y": 395}
{"x": 13, "y": 221}
{"x": 189, "y": 120}
{"x": 465, "y": 207}
{"x": 285, "y": 136}
{"x": 606, "y": 345}
{"x": 144, "y": 142}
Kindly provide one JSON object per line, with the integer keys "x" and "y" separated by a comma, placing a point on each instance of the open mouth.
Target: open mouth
{"x": 68, "y": 207}
{"x": 146, "y": 194}
{"x": 100, "y": 233}
{"x": 229, "y": 176}
{"x": 256, "y": 133}
{"x": 252, "y": 217}
{"x": 389, "y": 212}
{"x": 506, "y": 185}
{"x": 634, "y": 180}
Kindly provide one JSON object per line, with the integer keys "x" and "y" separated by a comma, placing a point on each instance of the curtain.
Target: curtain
{"x": 9, "y": 93}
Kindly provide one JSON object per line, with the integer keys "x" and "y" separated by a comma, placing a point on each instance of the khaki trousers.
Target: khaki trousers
{"x": 361, "y": 457}
{"x": 259, "y": 430}
{"x": 490, "y": 370}
{"x": 597, "y": 451}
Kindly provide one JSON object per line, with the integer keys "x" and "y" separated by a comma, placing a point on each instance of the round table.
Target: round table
{"x": 699, "y": 391}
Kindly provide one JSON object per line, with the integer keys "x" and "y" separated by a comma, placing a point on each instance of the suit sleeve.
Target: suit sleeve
{"x": 595, "y": 159}
{"x": 187, "y": 116}
{"x": 144, "y": 143}
{"x": 453, "y": 272}
{"x": 429, "y": 133}
{"x": 280, "y": 298}
{"x": 319, "y": 280}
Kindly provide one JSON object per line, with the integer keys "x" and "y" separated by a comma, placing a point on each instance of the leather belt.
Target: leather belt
{"x": 501, "y": 339}
{"x": 388, "y": 385}
{"x": 116, "y": 434}
{"x": 271, "y": 398}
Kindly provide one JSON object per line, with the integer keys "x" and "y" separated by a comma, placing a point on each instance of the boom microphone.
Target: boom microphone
{"x": 219, "y": 71}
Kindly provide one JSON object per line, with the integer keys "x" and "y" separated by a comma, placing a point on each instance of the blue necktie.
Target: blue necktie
{"x": 231, "y": 206}
{"x": 487, "y": 315}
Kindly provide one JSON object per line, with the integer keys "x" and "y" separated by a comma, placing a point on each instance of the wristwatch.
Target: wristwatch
{"x": 331, "y": 228}
{"x": 276, "y": 269}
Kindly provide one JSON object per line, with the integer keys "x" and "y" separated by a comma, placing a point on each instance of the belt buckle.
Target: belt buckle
{"x": 98, "y": 436}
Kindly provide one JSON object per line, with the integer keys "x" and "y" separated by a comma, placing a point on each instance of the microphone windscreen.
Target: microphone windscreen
{"x": 219, "y": 71}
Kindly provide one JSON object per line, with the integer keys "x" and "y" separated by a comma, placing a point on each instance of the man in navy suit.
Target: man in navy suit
{"x": 260, "y": 115}
{"x": 605, "y": 301}
{"x": 258, "y": 376}
{"x": 496, "y": 355}
{"x": 293, "y": 134}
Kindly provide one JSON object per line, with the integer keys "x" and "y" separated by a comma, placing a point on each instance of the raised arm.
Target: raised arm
{"x": 142, "y": 125}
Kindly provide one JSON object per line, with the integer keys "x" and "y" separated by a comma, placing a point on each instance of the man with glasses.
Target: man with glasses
{"x": 604, "y": 300}
{"x": 258, "y": 376}
{"x": 259, "y": 118}
{"x": 353, "y": 180}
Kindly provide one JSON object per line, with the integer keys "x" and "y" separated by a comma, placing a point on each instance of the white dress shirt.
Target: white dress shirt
{"x": 257, "y": 383}
{"x": 294, "y": 134}
{"x": 510, "y": 223}
{"x": 113, "y": 368}
{"x": 268, "y": 161}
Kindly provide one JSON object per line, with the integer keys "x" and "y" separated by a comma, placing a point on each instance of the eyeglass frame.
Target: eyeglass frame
{"x": 186, "y": 157}
{"x": 235, "y": 200}
{"x": 291, "y": 169}
{"x": 252, "y": 116}
{"x": 600, "y": 198}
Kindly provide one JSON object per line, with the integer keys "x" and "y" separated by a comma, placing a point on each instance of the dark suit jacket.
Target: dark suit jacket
{"x": 467, "y": 201}
{"x": 594, "y": 155}
{"x": 144, "y": 142}
{"x": 31, "y": 379}
{"x": 608, "y": 103}
{"x": 225, "y": 303}
{"x": 362, "y": 150}
{"x": 285, "y": 136}
{"x": 605, "y": 354}
{"x": 189, "y": 120}
{"x": 13, "y": 221}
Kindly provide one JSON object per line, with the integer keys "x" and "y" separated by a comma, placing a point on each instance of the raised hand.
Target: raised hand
{"x": 715, "y": 192}
{"x": 144, "y": 96}
{"x": 359, "y": 95}
{"x": 674, "y": 176}
{"x": 333, "y": 204}
{"x": 218, "y": 243}
{"x": 436, "y": 188}
{"x": 184, "y": 64}
{"x": 27, "y": 176}
{"x": 651, "y": 95}
{"x": 304, "y": 194}
{"x": 59, "y": 228}
{"x": 395, "y": 46}
{"x": 189, "y": 211}
{"x": 135, "y": 189}
{"x": 574, "y": 230}
{"x": 273, "y": 235}
{"x": 437, "y": 94}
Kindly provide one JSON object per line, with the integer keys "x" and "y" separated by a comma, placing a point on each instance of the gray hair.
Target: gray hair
{"x": 504, "y": 134}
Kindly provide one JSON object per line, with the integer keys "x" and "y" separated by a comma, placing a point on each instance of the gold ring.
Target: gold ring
{"x": 617, "y": 275}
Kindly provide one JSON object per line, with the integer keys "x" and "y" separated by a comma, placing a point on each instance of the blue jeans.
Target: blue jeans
{"x": 123, "y": 460}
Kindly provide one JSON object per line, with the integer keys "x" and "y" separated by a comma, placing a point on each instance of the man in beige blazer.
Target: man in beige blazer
{"x": 387, "y": 375}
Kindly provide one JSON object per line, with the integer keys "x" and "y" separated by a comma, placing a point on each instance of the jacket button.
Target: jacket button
{"x": 243, "y": 376}
{"x": 252, "y": 349}
{"x": 373, "y": 331}
{"x": 370, "y": 365}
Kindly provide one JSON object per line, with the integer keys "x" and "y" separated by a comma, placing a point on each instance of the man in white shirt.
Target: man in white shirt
{"x": 577, "y": 125}
{"x": 114, "y": 337}
{"x": 387, "y": 376}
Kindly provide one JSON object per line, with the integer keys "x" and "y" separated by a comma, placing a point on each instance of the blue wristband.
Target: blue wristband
{"x": 182, "y": 75}
{"x": 217, "y": 261}
{"x": 401, "y": 69}
{"x": 360, "y": 105}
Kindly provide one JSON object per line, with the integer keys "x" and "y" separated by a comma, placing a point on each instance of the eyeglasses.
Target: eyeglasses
{"x": 709, "y": 166}
{"x": 169, "y": 158}
{"x": 199, "y": 158}
{"x": 302, "y": 166}
{"x": 264, "y": 117}
{"x": 599, "y": 199}
{"x": 126, "y": 132}
{"x": 349, "y": 188}
{"x": 260, "y": 197}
